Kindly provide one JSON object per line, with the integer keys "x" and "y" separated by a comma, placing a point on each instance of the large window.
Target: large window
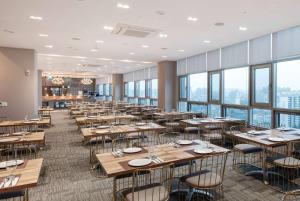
{"x": 126, "y": 89}
{"x": 198, "y": 108}
{"x": 182, "y": 106}
{"x": 140, "y": 88}
{"x": 214, "y": 110}
{"x": 214, "y": 80}
{"x": 236, "y": 113}
{"x": 261, "y": 83}
{"x": 130, "y": 89}
{"x": 183, "y": 87}
{"x": 287, "y": 84}
{"x": 107, "y": 89}
{"x": 236, "y": 86}
{"x": 288, "y": 120}
{"x": 261, "y": 118}
{"x": 101, "y": 92}
{"x": 154, "y": 88}
{"x": 198, "y": 87}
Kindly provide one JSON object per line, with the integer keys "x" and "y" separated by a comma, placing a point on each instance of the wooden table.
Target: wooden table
{"x": 31, "y": 138}
{"x": 262, "y": 141}
{"x": 29, "y": 175}
{"x": 105, "y": 118}
{"x": 168, "y": 153}
{"x": 41, "y": 122}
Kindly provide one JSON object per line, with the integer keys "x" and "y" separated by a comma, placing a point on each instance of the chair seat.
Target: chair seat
{"x": 191, "y": 129}
{"x": 213, "y": 136}
{"x": 247, "y": 148}
{"x": 156, "y": 193}
{"x": 288, "y": 161}
{"x": 206, "y": 180}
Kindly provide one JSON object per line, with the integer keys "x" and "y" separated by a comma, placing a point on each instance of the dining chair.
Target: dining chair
{"x": 154, "y": 186}
{"x": 213, "y": 132}
{"x": 206, "y": 181}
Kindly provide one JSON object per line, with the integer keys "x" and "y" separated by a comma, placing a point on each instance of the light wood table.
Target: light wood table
{"x": 29, "y": 176}
{"x": 31, "y": 138}
{"x": 41, "y": 122}
{"x": 106, "y": 118}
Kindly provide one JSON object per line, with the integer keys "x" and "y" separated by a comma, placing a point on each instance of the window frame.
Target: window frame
{"x": 209, "y": 88}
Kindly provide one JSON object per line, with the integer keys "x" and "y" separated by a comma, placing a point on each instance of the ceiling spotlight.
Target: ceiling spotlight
{"x": 162, "y": 35}
{"x": 94, "y": 50}
{"x": 132, "y": 53}
{"x": 49, "y": 46}
{"x": 242, "y": 28}
{"x": 35, "y": 17}
{"x": 99, "y": 41}
{"x": 192, "y": 19}
{"x": 181, "y": 50}
{"x": 164, "y": 56}
{"x": 43, "y": 35}
{"x": 108, "y": 28}
{"x": 145, "y": 46}
{"x": 207, "y": 41}
{"x": 79, "y": 64}
{"x": 125, "y": 6}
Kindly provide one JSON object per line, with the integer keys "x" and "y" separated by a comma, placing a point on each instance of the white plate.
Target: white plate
{"x": 255, "y": 132}
{"x": 284, "y": 129}
{"x": 132, "y": 150}
{"x": 139, "y": 162}
{"x": 102, "y": 127}
{"x": 92, "y": 117}
{"x": 184, "y": 142}
{"x": 140, "y": 124}
{"x": 20, "y": 133}
{"x": 10, "y": 163}
{"x": 10, "y": 139}
{"x": 276, "y": 139}
{"x": 37, "y": 119}
{"x": 203, "y": 151}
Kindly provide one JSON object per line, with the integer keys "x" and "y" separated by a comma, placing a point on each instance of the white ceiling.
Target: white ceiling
{"x": 84, "y": 19}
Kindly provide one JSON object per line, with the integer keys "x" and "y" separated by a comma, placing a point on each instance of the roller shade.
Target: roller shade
{"x": 196, "y": 64}
{"x": 128, "y": 77}
{"x": 286, "y": 43}
{"x": 235, "y": 55}
{"x": 153, "y": 72}
{"x": 260, "y": 50}
{"x": 213, "y": 60}
{"x": 140, "y": 75}
{"x": 181, "y": 67}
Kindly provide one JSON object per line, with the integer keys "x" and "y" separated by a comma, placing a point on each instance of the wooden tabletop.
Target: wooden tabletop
{"x": 104, "y": 118}
{"x": 31, "y": 138}
{"x": 61, "y": 98}
{"x": 262, "y": 139}
{"x": 24, "y": 123}
{"x": 116, "y": 166}
{"x": 46, "y": 109}
{"x": 121, "y": 129}
{"x": 201, "y": 121}
{"x": 166, "y": 114}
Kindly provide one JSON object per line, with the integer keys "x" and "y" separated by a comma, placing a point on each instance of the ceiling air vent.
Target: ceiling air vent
{"x": 92, "y": 65}
{"x": 133, "y": 31}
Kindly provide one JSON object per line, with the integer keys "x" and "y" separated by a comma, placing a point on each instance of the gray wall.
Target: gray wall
{"x": 20, "y": 91}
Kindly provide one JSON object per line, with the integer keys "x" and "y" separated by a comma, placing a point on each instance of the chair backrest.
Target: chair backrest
{"x": 151, "y": 184}
{"x": 209, "y": 170}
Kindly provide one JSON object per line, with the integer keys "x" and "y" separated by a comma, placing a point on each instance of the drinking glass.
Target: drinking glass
{"x": 26, "y": 118}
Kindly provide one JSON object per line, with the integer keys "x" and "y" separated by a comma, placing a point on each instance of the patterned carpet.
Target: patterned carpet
{"x": 66, "y": 176}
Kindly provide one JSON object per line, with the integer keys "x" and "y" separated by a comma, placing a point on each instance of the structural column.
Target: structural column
{"x": 167, "y": 85}
{"x": 117, "y": 87}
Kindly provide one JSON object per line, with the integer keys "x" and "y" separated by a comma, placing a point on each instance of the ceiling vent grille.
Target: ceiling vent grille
{"x": 92, "y": 65}
{"x": 133, "y": 31}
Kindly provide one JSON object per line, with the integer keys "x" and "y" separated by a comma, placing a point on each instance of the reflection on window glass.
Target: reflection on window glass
{"x": 214, "y": 110}
{"x": 288, "y": 120}
{"x": 236, "y": 86}
{"x": 140, "y": 88}
{"x": 101, "y": 92}
{"x": 182, "y": 87}
{"x": 130, "y": 89}
{"x": 236, "y": 113}
{"x": 215, "y": 86}
{"x": 198, "y": 87}
{"x": 261, "y": 85}
{"x": 153, "y": 102}
{"x": 182, "y": 106}
{"x": 288, "y": 84}
{"x": 199, "y": 108}
{"x": 261, "y": 118}
{"x": 107, "y": 89}
{"x": 154, "y": 88}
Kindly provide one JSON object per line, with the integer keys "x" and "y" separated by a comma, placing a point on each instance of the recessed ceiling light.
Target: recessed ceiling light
{"x": 145, "y": 46}
{"x": 43, "y": 35}
{"x": 49, "y": 46}
{"x": 132, "y": 53}
{"x": 162, "y": 35}
{"x": 146, "y": 62}
{"x": 35, "y": 17}
{"x": 192, "y": 19}
{"x": 219, "y": 24}
{"x": 108, "y": 28}
{"x": 79, "y": 64}
{"x": 164, "y": 56}
{"x": 125, "y": 6}
{"x": 242, "y": 28}
{"x": 206, "y": 41}
{"x": 94, "y": 50}
{"x": 99, "y": 41}
{"x": 181, "y": 50}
